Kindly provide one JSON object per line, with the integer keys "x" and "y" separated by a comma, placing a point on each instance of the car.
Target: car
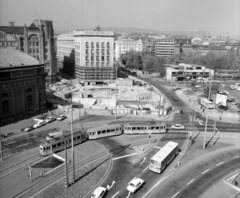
{"x": 230, "y": 99}
{"x": 176, "y": 88}
{"x": 7, "y": 134}
{"x": 39, "y": 124}
{"x": 29, "y": 128}
{"x": 61, "y": 117}
{"x": 174, "y": 98}
{"x": 50, "y": 119}
{"x": 232, "y": 87}
{"x": 222, "y": 107}
{"x": 135, "y": 184}
{"x": 177, "y": 126}
{"x": 99, "y": 192}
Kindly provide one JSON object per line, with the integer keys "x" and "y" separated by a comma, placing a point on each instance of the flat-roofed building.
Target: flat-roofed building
{"x": 164, "y": 47}
{"x": 22, "y": 85}
{"x": 187, "y": 72}
{"x": 87, "y": 55}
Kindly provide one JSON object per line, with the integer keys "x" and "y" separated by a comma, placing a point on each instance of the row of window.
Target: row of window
{"x": 33, "y": 50}
{"x": 8, "y": 43}
{"x": 98, "y": 51}
{"x": 33, "y": 43}
{"x": 105, "y": 131}
{"x": 144, "y": 128}
{"x": 98, "y": 64}
{"x": 97, "y": 45}
{"x": 98, "y": 58}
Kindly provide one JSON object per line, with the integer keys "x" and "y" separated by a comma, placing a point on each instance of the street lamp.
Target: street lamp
{"x": 116, "y": 95}
{"x": 205, "y": 132}
{"x": 159, "y": 106}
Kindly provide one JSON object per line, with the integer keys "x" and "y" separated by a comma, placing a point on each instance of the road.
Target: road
{"x": 125, "y": 169}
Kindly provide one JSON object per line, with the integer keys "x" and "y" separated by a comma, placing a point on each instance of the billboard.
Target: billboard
{"x": 221, "y": 99}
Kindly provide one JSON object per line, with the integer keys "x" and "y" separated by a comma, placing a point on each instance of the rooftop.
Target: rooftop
{"x": 14, "y": 58}
{"x": 12, "y": 29}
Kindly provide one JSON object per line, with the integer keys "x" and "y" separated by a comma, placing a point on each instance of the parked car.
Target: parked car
{"x": 29, "y": 128}
{"x": 135, "y": 184}
{"x": 232, "y": 87}
{"x": 39, "y": 124}
{"x": 176, "y": 88}
{"x": 99, "y": 192}
{"x": 231, "y": 99}
{"x": 222, "y": 107}
{"x": 174, "y": 98}
{"x": 7, "y": 134}
{"x": 61, "y": 117}
{"x": 177, "y": 126}
{"x": 50, "y": 119}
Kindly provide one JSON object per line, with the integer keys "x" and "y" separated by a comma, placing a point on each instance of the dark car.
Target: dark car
{"x": 223, "y": 108}
{"x": 174, "y": 98}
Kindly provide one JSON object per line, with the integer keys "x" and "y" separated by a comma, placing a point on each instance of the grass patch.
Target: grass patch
{"x": 86, "y": 179}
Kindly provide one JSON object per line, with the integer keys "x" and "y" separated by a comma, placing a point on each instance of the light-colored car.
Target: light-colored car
{"x": 29, "y": 128}
{"x": 99, "y": 192}
{"x": 177, "y": 126}
{"x": 50, "y": 119}
{"x": 61, "y": 117}
{"x": 39, "y": 124}
{"x": 135, "y": 184}
{"x": 232, "y": 87}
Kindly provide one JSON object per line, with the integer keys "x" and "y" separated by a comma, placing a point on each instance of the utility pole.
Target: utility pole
{"x": 66, "y": 167}
{"x": 79, "y": 107}
{"x": 116, "y": 95}
{"x": 193, "y": 116}
{"x": 1, "y": 151}
{"x": 159, "y": 106}
{"x": 73, "y": 161}
{"x": 205, "y": 132}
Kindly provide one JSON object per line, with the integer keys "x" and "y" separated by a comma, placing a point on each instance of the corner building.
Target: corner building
{"x": 87, "y": 56}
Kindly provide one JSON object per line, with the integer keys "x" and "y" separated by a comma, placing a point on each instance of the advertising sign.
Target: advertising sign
{"x": 221, "y": 99}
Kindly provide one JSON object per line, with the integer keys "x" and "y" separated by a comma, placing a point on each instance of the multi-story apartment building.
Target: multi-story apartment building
{"x": 185, "y": 71}
{"x": 125, "y": 45}
{"x": 87, "y": 55}
{"x": 35, "y": 40}
{"x": 164, "y": 47}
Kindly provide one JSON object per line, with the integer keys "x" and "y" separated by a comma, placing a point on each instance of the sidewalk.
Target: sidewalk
{"x": 192, "y": 102}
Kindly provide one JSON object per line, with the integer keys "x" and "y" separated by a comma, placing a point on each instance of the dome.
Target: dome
{"x": 196, "y": 40}
{"x": 15, "y": 58}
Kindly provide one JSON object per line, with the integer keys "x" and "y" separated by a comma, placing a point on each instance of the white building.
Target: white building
{"x": 164, "y": 47}
{"x": 87, "y": 55}
{"x": 125, "y": 45}
{"x": 185, "y": 71}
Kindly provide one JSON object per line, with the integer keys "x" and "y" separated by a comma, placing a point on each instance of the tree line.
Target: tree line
{"x": 150, "y": 62}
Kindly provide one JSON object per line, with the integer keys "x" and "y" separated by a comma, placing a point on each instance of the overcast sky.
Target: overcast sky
{"x": 221, "y": 17}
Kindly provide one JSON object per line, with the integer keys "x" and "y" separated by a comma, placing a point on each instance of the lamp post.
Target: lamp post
{"x": 116, "y": 96}
{"x": 73, "y": 161}
{"x": 1, "y": 151}
{"x": 205, "y": 132}
{"x": 159, "y": 106}
{"x": 193, "y": 116}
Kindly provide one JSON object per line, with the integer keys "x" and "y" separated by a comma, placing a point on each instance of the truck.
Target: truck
{"x": 207, "y": 103}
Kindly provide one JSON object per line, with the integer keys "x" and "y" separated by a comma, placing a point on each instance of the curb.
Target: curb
{"x": 109, "y": 167}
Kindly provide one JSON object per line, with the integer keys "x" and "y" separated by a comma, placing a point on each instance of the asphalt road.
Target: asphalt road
{"x": 125, "y": 169}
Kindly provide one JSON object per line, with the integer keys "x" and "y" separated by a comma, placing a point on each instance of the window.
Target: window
{"x": 30, "y": 43}
{"x": 33, "y": 43}
{"x": 36, "y": 43}
{"x": 97, "y": 51}
{"x": 108, "y": 45}
{"x": 86, "y": 51}
{"x": 102, "y": 44}
{"x": 97, "y": 64}
{"x": 92, "y": 58}
{"x": 92, "y": 44}
{"x": 5, "y": 106}
{"x": 87, "y": 45}
{"x": 29, "y": 101}
{"x": 87, "y": 59}
{"x": 103, "y": 52}
{"x": 108, "y": 52}
{"x": 97, "y": 58}
{"x": 108, "y": 58}
{"x": 97, "y": 44}
{"x": 102, "y": 58}
{"x": 87, "y": 64}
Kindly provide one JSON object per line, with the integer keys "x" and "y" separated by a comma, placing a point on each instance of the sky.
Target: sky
{"x": 219, "y": 17}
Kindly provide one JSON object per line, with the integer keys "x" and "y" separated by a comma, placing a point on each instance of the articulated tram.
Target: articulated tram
{"x": 59, "y": 143}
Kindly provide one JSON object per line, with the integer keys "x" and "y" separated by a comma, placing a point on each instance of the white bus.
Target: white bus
{"x": 53, "y": 135}
{"x": 163, "y": 157}
{"x": 207, "y": 103}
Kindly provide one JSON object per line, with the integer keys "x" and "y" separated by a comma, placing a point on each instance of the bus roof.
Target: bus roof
{"x": 164, "y": 152}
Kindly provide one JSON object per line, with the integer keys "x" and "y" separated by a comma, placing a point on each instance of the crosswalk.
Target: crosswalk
{"x": 185, "y": 109}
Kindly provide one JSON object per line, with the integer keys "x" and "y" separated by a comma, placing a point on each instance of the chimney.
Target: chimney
{"x": 11, "y": 23}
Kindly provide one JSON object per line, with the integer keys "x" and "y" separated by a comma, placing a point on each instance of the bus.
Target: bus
{"x": 53, "y": 135}
{"x": 163, "y": 157}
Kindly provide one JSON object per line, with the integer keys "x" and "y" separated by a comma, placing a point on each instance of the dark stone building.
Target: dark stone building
{"x": 22, "y": 85}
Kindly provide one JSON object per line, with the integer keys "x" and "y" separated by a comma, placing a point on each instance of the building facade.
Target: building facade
{"x": 187, "y": 72}
{"x": 36, "y": 40}
{"x": 87, "y": 56}
{"x": 22, "y": 85}
{"x": 125, "y": 45}
{"x": 164, "y": 47}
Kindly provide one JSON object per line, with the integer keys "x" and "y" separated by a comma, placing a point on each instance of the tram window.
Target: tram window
{"x": 138, "y": 128}
{"x": 157, "y": 127}
{"x": 74, "y": 139}
{"x": 54, "y": 145}
{"x": 59, "y": 144}
{"x": 104, "y": 131}
{"x": 108, "y": 130}
{"x": 152, "y": 127}
{"x": 112, "y": 130}
{"x": 99, "y": 132}
{"x": 78, "y": 137}
{"x": 133, "y": 128}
